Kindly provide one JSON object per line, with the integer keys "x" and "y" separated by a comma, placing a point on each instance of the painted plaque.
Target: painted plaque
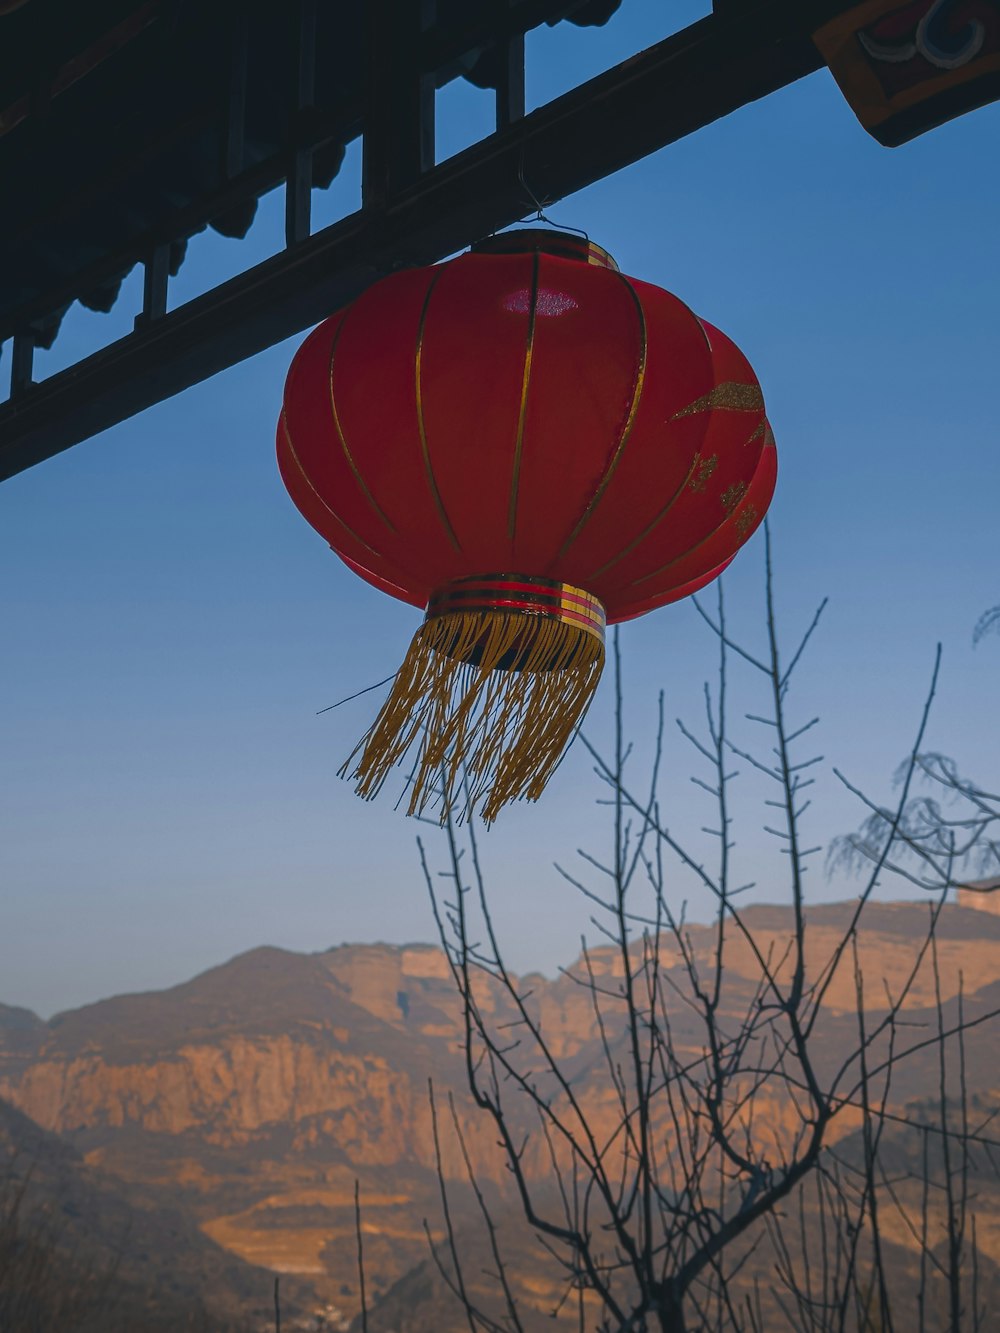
{"x": 906, "y": 67}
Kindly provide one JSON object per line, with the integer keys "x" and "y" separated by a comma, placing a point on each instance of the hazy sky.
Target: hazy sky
{"x": 170, "y": 625}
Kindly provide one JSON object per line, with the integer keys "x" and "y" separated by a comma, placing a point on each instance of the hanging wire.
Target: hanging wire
{"x": 540, "y": 206}
{"x": 367, "y": 690}
{"x": 539, "y": 214}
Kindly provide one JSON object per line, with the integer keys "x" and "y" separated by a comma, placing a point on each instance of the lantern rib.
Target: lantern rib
{"x": 691, "y": 551}
{"x": 640, "y": 379}
{"x": 515, "y": 480}
{"x": 425, "y": 451}
{"x": 305, "y": 477}
{"x": 654, "y": 523}
{"x": 338, "y": 427}
{"x": 761, "y": 433}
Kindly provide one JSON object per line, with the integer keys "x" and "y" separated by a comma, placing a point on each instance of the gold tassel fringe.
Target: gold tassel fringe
{"x": 488, "y": 733}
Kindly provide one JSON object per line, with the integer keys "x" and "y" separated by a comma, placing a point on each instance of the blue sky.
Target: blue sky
{"x": 168, "y": 796}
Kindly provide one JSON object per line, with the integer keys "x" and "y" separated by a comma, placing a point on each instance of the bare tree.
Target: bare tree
{"x": 951, "y": 826}
{"x": 44, "y": 1283}
{"x": 953, "y": 819}
{"x": 989, "y": 620}
{"x": 709, "y": 1136}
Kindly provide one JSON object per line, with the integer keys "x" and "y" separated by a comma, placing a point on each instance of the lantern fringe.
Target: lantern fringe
{"x": 490, "y": 730}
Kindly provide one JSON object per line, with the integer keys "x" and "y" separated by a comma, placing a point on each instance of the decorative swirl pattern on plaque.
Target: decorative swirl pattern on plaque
{"x": 928, "y": 30}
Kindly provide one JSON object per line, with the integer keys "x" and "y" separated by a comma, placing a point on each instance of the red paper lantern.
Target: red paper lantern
{"x": 528, "y": 444}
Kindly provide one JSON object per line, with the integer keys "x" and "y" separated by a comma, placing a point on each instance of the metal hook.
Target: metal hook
{"x": 539, "y": 206}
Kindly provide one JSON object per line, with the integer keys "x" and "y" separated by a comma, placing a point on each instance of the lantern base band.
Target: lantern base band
{"x": 489, "y": 696}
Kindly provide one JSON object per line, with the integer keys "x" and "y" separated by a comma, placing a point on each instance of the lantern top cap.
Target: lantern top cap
{"x": 560, "y": 244}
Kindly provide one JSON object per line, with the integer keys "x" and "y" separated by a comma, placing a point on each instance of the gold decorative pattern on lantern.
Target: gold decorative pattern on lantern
{"x": 703, "y": 469}
{"x": 746, "y": 519}
{"x": 763, "y": 433}
{"x": 733, "y": 495}
{"x": 729, "y": 397}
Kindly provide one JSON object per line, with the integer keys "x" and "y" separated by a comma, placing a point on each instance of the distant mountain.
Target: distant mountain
{"x": 21, "y": 1032}
{"x": 248, "y": 1101}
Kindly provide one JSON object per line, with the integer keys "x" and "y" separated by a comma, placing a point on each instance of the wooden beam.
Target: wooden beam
{"x": 671, "y": 90}
{"x": 298, "y": 186}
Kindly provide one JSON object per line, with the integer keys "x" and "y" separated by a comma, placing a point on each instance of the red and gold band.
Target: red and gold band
{"x": 522, "y": 595}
